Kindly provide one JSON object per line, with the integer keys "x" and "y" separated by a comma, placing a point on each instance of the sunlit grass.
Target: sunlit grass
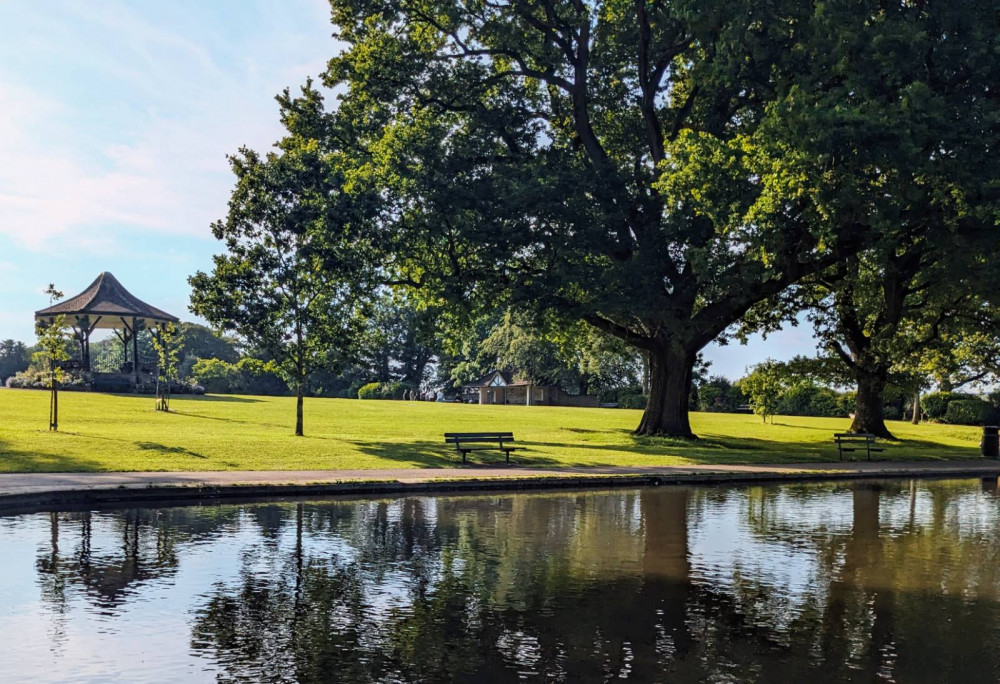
{"x": 122, "y": 432}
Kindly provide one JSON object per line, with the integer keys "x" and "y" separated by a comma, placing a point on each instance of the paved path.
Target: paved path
{"x": 14, "y": 484}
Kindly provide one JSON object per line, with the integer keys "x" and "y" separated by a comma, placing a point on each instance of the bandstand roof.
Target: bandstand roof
{"x": 107, "y": 304}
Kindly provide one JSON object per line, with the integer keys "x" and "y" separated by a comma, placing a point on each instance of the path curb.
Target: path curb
{"x": 122, "y": 495}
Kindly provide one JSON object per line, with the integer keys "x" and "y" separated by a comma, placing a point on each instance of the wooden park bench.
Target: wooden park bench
{"x": 856, "y": 441}
{"x": 489, "y": 440}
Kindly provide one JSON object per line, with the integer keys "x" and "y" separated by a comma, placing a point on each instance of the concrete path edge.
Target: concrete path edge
{"x": 114, "y": 496}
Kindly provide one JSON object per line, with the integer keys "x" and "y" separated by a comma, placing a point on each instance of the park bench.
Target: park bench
{"x": 485, "y": 440}
{"x": 856, "y": 441}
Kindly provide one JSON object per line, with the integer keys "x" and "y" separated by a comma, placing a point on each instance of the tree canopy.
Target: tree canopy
{"x": 284, "y": 283}
{"x": 654, "y": 169}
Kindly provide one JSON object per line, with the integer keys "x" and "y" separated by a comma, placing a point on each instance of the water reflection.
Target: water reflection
{"x": 895, "y": 581}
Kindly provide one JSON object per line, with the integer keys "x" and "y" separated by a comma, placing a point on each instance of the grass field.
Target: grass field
{"x": 123, "y": 432}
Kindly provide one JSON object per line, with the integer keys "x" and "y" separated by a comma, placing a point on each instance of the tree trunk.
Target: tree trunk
{"x": 298, "y": 407}
{"x": 915, "y": 418}
{"x": 869, "y": 413}
{"x": 54, "y": 399}
{"x": 669, "y": 391}
{"x": 54, "y": 408}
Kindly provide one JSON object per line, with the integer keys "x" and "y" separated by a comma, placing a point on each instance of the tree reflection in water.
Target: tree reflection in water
{"x": 856, "y": 582}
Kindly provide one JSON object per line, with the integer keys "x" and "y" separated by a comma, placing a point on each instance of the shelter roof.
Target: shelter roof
{"x": 107, "y": 304}
{"x": 487, "y": 380}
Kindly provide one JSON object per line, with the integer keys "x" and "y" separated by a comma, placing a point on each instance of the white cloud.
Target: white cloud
{"x": 147, "y": 153}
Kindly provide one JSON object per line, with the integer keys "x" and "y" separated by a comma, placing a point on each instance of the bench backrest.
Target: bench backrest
{"x": 854, "y": 437}
{"x": 456, "y": 437}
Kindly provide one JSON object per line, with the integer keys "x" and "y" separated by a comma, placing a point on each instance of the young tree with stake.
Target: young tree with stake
{"x": 52, "y": 342}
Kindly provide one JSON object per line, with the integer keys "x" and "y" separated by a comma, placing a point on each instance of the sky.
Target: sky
{"x": 115, "y": 122}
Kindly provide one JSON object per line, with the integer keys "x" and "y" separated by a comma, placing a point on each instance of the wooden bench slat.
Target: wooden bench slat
{"x": 461, "y": 440}
{"x": 856, "y": 441}
{"x": 473, "y": 435}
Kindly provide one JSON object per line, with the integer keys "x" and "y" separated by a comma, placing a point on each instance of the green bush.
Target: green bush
{"x": 381, "y": 390}
{"x": 38, "y": 378}
{"x": 892, "y": 412}
{"x": 216, "y": 376}
{"x": 370, "y": 391}
{"x": 847, "y": 402}
{"x": 260, "y": 377}
{"x": 935, "y": 404}
{"x": 633, "y": 401}
{"x": 967, "y": 412}
{"x": 613, "y": 395}
{"x": 711, "y": 398}
{"x": 810, "y": 400}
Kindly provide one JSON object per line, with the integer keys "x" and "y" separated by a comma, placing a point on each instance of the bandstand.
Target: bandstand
{"x": 107, "y": 305}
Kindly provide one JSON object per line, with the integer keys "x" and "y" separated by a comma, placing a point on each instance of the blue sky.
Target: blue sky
{"x": 115, "y": 122}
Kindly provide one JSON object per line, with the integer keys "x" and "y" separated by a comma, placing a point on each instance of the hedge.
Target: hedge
{"x": 935, "y": 404}
{"x": 633, "y": 401}
{"x": 967, "y": 412}
{"x": 381, "y": 390}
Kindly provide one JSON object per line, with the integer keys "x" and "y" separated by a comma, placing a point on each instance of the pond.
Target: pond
{"x": 897, "y": 581}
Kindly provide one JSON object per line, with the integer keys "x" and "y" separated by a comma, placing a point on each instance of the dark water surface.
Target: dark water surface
{"x": 897, "y": 581}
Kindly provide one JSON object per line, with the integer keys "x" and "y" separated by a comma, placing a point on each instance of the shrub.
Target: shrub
{"x": 633, "y": 401}
{"x": 892, "y": 412}
{"x": 711, "y": 398}
{"x": 967, "y": 412}
{"x": 187, "y": 386}
{"x": 847, "y": 403}
{"x": 260, "y": 377}
{"x": 216, "y": 376}
{"x": 370, "y": 391}
{"x": 613, "y": 395}
{"x": 381, "y": 390}
{"x": 806, "y": 399}
{"x": 935, "y": 404}
{"x": 35, "y": 378}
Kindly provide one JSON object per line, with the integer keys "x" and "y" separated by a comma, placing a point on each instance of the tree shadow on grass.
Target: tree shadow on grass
{"x": 21, "y": 461}
{"x": 589, "y": 431}
{"x": 218, "y": 397}
{"x": 795, "y": 426}
{"x": 720, "y": 450}
{"x": 164, "y": 449}
{"x": 709, "y": 450}
{"x": 427, "y": 454}
{"x": 202, "y": 416}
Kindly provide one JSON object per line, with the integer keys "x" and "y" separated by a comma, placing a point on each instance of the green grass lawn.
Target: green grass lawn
{"x": 122, "y": 432}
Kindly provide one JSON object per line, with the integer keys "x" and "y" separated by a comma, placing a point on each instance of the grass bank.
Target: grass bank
{"x": 102, "y": 432}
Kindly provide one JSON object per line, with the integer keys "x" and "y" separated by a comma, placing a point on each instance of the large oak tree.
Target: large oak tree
{"x": 654, "y": 168}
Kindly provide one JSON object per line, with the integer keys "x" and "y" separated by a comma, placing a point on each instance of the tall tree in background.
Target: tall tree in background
{"x": 14, "y": 358}
{"x": 396, "y": 339}
{"x": 284, "y": 284}
{"x": 653, "y": 168}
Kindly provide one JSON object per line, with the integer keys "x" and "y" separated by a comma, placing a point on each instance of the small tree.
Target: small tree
{"x": 764, "y": 386}
{"x": 168, "y": 342}
{"x": 52, "y": 342}
{"x": 284, "y": 283}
